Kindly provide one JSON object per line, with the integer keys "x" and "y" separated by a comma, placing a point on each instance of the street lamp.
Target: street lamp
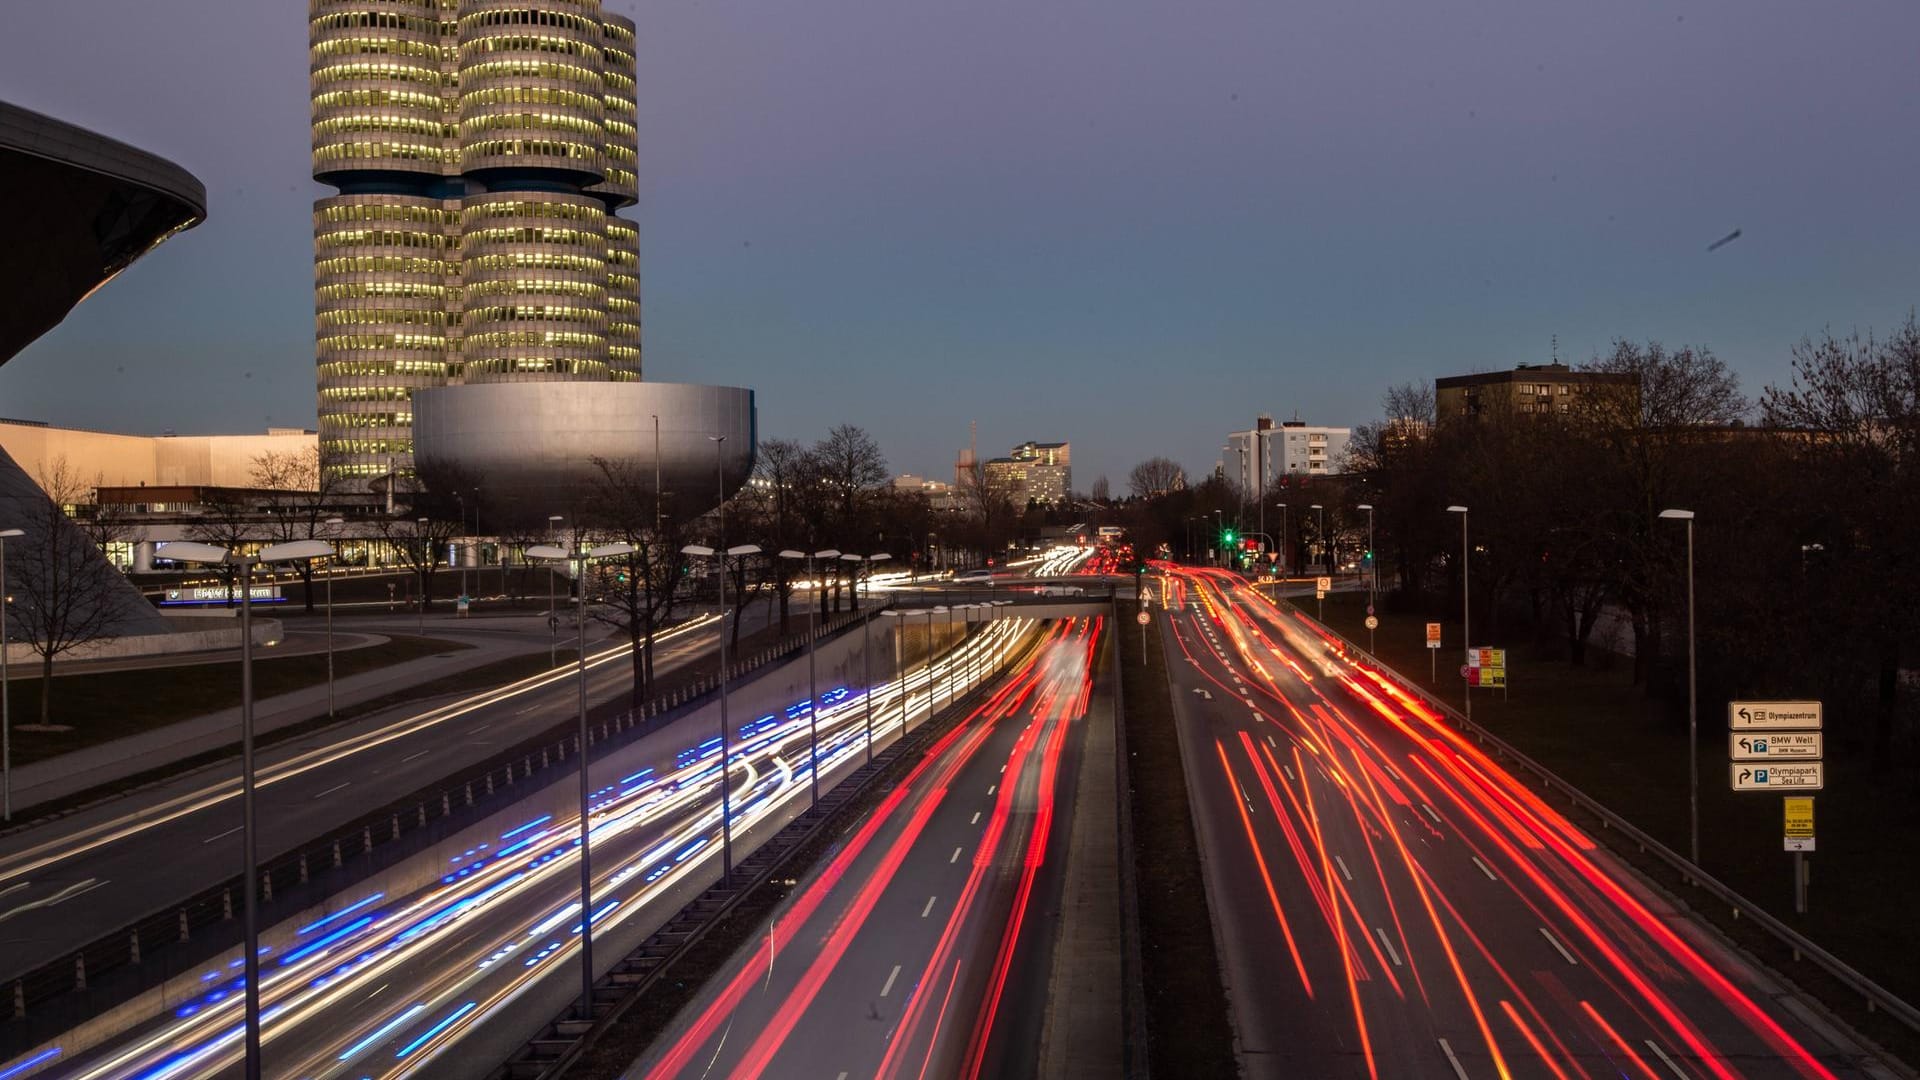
{"x": 426, "y": 563}
{"x": 555, "y": 553}
{"x": 332, "y": 523}
{"x": 1693, "y": 700}
{"x": 6, "y": 714}
{"x": 813, "y": 684}
{"x": 866, "y": 647}
{"x": 553, "y": 600}
{"x": 1373, "y": 576}
{"x": 726, "y": 797}
{"x": 1466, "y": 598}
{"x": 207, "y": 554}
{"x": 1283, "y": 538}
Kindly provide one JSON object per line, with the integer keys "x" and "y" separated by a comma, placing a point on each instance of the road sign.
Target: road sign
{"x": 1495, "y": 677}
{"x": 1323, "y": 584}
{"x": 1799, "y": 822}
{"x": 1373, "y": 623}
{"x": 1433, "y": 635}
{"x": 1779, "y": 776}
{"x": 1143, "y": 619}
{"x": 1774, "y": 745}
{"x": 1487, "y": 658}
{"x": 1765, "y": 715}
{"x": 1466, "y": 672}
{"x": 1146, "y": 597}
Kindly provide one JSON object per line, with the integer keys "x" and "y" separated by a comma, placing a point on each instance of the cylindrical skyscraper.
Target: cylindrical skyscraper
{"x": 480, "y": 148}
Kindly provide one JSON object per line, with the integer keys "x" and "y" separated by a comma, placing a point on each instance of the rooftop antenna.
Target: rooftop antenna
{"x": 1556, "y": 348}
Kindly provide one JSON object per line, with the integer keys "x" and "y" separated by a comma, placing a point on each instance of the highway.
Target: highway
{"x": 1390, "y": 903}
{"x": 447, "y": 981}
{"x": 64, "y": 883}
{"x": 923, "y": 947}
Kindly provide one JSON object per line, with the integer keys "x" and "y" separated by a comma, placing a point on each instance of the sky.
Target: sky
{"x": 1130, "y": 224}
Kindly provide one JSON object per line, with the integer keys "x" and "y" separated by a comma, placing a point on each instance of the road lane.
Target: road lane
{"x": 899, "y": 957}
{"x": 1392, "y": 903}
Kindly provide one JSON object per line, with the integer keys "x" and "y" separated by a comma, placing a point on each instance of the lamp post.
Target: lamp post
{"x": 332, "y": 523}
{"x": 726, "y": 796}
{"x": 813, "y": 683}
{"x": 426, "y": 562}
{"x": 207, "y": 554}
{"x": 1373, "y": 577}
{"x": 1466, "y": 598}
{"x": 553, "y": 600}
{"x": 866, "y": 649}
{"x": 933, "y": 673}
{"x": 1283, "y": 538}
{"x": 1693, "y": 701}
{"x": 1219, "y": 531}
{"x": 1320, "y": 533}
{"x": 6, "y": 712}
{"x": 555, "y": 553}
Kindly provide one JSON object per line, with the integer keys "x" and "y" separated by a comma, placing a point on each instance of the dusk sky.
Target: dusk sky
{"x": 1127, "y": 224}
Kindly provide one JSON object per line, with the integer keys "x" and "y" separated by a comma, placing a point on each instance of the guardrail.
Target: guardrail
{"x": 1878, "y": 998}
{"x": 47, "y": 1000}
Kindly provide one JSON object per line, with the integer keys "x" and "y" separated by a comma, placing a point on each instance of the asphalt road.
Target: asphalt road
{"x": 1390, "y": 903}
{"x": 923, "y": 947}
{"x": 65, "y": 883}
{"x": 447, "y": 981}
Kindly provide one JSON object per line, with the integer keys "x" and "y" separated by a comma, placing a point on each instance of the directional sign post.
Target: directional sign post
{"x": 1433, "y": 650}
{"x": 1777, "y": 746}
{"x": 1778, "y": 776}
{"x": 1774, "y": 745}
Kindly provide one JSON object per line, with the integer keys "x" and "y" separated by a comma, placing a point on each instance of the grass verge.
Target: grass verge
{"x": 1188, "y": 1033}
{"x": 1600, "y": 733}
{"x": 110, "y": 705}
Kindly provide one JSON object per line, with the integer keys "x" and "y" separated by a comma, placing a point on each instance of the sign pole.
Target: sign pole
{"x": 1799, "y": 883}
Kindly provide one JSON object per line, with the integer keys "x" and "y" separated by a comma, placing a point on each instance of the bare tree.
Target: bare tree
{"x": 628, "y": 507}
{"x": 299, "y": 488}
{"x": 1101, "y": 492}
{"x": 990, "y": 508}
{"x": 226, "y": 520}
{"x": 65, "y": 593}
{"x": 851, "y": 471}
{"x": 1156, "y": 476}
{"x": 787, "y": 510}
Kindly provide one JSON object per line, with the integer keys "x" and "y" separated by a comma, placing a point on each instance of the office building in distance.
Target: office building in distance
{"x": 1035, "y": 472}
{"x": 1532, "y": 389}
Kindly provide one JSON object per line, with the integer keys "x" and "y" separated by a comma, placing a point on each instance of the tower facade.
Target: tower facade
{"x": 481, "y": 150}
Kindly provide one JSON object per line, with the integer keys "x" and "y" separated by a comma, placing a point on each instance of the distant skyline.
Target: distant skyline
{"x": 1124, "y": 224}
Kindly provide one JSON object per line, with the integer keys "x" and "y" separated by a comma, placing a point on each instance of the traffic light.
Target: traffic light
{"x": 1230, "y": 537}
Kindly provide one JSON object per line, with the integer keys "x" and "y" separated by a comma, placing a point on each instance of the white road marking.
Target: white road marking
{"x": 67, "y": 893}
{"x": 1484, "y": 869}
{"x": 223, "y": 835}
{"x": 1557, "y": 947}
{"x": 976, "y": 818}
{"x": 894, "y": 974}
{"x": 1288, "y": 769}
{"x": 1662, "y": 1055}
{"x": 1271, "y": 743}
{"x": 1451, "y": 1060}
{"x": 1341, "y": 863}
{"x": 481, "y": 728}
{"x": 991, "y": 787}
{"x": 410, "y": 757}
{"x": 1003, "y": 768}
{"x": 1430, "y": 813}
{"x": 333, "y": 789}
{"x": 955, "y": 858}
{"x": 1391, "y": 951}
{"x": 928, "y": 908}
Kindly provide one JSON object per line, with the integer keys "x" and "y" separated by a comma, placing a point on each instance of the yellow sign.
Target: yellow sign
{"x": 1799, "y": 817}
